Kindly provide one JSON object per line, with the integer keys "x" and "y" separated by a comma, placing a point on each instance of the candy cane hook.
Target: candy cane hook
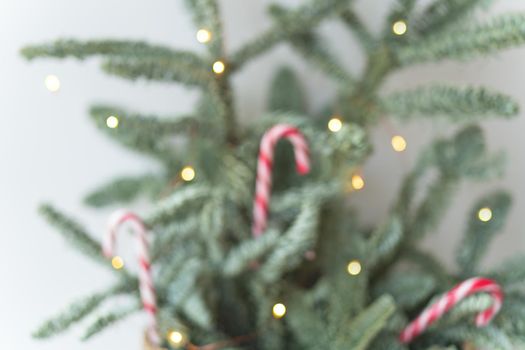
{"x": 450, "y": 299}
{"x": 147, "y": 289}
{"x": 264, "y": 169}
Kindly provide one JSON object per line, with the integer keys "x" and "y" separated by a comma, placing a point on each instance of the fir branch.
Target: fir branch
{"x": 286, "y": 93}
{"x": 456, "y": 104}
{"x": 431, "y": 210}
{"x": 196, "y": 310}
{"x": 206, "y": 15}
{"x": 125, "y": 189}
{"x": 441, "y": 14}
{"x": 158, "y": 69}
{"x": 77, "y": 49}
{"x": 184, "y": 283}
{"x": 167, "y": 240}
{"x": 365, "y": 37}
{"x": 130, "y": 59}
{"x": 294, "y": 22}
{"x": 428, "y": 263}
{"x": 486, "y": 337}
{"x": 167, "y": 208}
{"x": 306, "y": 325}
{"x": 77, "y": 311}
{"x": 107, "y": 320}
{"x": 299, "y": 238}
{"x": 146, "y": 123}
{"x": 479, "y": 234}
{"x": 501, "y": 33}
{"x": 367, "y": 324}
{"x": 385, "y": 241}
{"x": 313, "y": 50}
{"x": 409, "y": 289}
{"x": 252, "y": 250}
{"x": 510, "y": 272}
{"x": 73, "y": 232}
{"x": 144, "y": 134}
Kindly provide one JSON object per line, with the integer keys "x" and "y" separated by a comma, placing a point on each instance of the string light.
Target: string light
{"x": 112, "y": 122}
{"x": 485, "y": 214}
{"x": 117, "y": 262}
{"x": 399, "y": 144}
{"x": 400, "y": 27}
{"x": 52, "y": 83}
{"x": 354, "y": 268}
{"x": 176, "y": 339}
{"x": 279, "y": 310}
{"x": 335, "y": 124}
{"x": 218, "y": 67}
{"x": 203, "y": 36}
{"x": 187, "y": 173}
{"x": 357, "y": 182}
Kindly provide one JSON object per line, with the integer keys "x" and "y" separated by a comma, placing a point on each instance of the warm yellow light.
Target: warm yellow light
{"x": 485, "y": 214}
{"x": 52, "y": 83}
{"x": 117, "y": 262}
{"x": 358, "y": 183}
{"x": 354, "y": 267}
{"x": 187, "y": 173}
{"x": 203, "y": 36}
{"x": 279, "y": 310}
{"x": 399, "y": 27}
{"x": 176, "y": 339}
{"x": 112, "y": 122}
{"x": 399, "y": 144}
{"x": 219, "y": 67}
{"x": 335, "y": 124}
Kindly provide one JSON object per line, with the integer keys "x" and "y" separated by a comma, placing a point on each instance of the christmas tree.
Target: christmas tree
{"x": 298, "y": 270}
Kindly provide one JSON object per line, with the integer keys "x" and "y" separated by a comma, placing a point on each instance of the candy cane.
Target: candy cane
{"x": 147, "y": 289}
{"x": 265, "y": 165}
{"x": 450, "y": 299}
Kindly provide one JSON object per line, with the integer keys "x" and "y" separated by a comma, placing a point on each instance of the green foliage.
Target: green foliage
{"x": 125, "y": 189}
{"x": 289, "y": 250}
{"x": 442, "y": 13}
{"x": 131, "y": 60}
{"x": 500, "y": 33}
{"x": 479, "y": 234}
{"x": 78, "y": 311}
{"x": 108, "y": 320}
{"x": 286, "y": 93}
{"x": 215, "y": 281}
{"x": 73, "y": 233}
{"x": 368, "y": 323}
{"x": 467, "y": 104}
{"x": 409, "y": 289}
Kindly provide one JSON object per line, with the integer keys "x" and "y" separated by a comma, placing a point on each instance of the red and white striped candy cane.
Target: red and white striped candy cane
{"x": 450, "y": 299}
{"x": 264, "y": 169}
{"x": 147, "y": 289}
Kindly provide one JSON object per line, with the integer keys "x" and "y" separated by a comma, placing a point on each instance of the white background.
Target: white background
{"x": 50, "y": 151}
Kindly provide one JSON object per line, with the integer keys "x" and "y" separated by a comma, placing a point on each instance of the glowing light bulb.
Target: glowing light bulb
{"x": 357, "y": 181}
{"x": 335, "y": 124}
{"x": 117, "y": 262}
{"x": 485, "y": 214}
{"x": 176, "y": 338}
{"x": 354, "y": 268}
{"x": 399, "y": 144}
{"x": 219, "y": 67}
{"x": 52, "y": 83}
{"x": 203, "y": 36}
{"x": 187, "y": 173}
{"x": 400, "y": 27}
{"x": 279, "y": 310}
{"x": 112, "y": 122}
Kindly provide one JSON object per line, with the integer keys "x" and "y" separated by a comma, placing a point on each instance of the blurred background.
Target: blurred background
{"x": 49, "y": 151}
